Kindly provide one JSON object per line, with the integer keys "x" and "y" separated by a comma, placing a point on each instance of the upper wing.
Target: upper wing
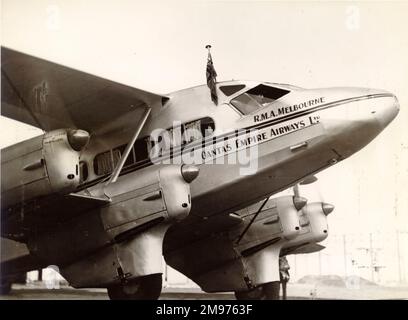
{"x": 51, "y": 96}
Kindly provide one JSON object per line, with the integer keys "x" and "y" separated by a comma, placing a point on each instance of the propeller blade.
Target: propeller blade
{"x": 296, "y": 190}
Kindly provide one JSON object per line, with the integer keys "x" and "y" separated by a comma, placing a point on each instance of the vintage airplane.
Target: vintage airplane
{"x": 122, "y": 177}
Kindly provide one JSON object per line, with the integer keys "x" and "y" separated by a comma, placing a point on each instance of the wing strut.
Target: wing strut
{"x": 252, "y": 221}
{"x": 119, "y": 166}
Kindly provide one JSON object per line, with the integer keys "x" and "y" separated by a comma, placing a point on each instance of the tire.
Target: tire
{"x": 144, "y": 288}
{"x": 267, "y": 291}
{"x": 254, "y": 294}
{"x": 271, "y": 290}
{"x": 5, "y": 288}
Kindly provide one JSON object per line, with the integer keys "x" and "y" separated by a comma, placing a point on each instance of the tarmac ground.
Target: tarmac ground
{"x": 30, "y": 292}
{"x": 295, "y": 292}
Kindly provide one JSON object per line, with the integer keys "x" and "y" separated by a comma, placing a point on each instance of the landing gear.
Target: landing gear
{"x": 144, "y": 288}
{"x": 5, "y": 288}
{"x": 267, "y": 291}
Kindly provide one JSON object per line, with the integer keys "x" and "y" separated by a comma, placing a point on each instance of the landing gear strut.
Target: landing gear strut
{"x": 144, "y": 288}
{"x": 269, "y": 291}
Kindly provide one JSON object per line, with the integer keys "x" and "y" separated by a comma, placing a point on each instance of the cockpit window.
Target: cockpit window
{"x": 230, "y": 90}
{"x": 257, "y": 97}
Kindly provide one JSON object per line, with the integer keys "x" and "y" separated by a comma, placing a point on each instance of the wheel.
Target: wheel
{"x": 267, "y": 291}
{"x": 144, "y": 288}
{"x": 254, "y": 294}
{"x": 5, "y": 288}
{"x": 271, "y": 290}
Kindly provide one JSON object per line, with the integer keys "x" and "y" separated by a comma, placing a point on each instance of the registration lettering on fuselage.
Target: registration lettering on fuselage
{"x": 280, "y": 111}
{"x": 241, "y": 140}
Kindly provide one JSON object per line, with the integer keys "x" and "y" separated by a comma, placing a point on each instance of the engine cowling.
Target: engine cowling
{"x": 259, "y": 245}
{"x": 125, "y": 238}
{"x": 288, "y": 207}
{"x": 314, "y": 218}
{"x": 42, "y": 165}
{"x": 61, "y": 156}
{"x": 314, "y": 228}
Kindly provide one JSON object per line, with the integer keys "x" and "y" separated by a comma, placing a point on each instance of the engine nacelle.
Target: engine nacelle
{"x": 314, "y": 228}
{"x": 279, "y": 218}
{"x": 314, "y": 220}
{"x": 41, "y": 166}
{"x": 259, "y": 247}
{"x": 288, "y": 207}
{"x": 122, "y": 239}
{"x": 61, "y": 161}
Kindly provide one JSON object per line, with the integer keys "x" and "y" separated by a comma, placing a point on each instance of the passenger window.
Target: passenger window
{"x": 115, "y": 157}
{"x": 198, "y": 129}
{"x": 176, "y": 136}
{"x": 141, "y": 149}
{"x": 192, "y": 131}
{"x": 103, "y": 163}
{"x": 207, "y": 127}
{"x": 130, "y": 159}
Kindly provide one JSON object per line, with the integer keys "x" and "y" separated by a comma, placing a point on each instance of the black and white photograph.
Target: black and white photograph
{"x": 204, "y": 150}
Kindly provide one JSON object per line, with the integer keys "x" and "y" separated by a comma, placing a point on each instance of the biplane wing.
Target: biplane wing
{"x": 51, "y": 96}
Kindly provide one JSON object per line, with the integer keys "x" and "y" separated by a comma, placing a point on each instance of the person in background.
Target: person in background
{"x": 284, "y": 275}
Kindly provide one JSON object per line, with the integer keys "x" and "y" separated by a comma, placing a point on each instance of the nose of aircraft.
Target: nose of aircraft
{"x": 386, "y": 112}
{"x": 367, "y": 117}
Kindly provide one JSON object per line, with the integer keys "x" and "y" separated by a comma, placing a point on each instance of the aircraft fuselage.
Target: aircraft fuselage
{"x": 274, "y": 147}
{"x": 248, "y": 154}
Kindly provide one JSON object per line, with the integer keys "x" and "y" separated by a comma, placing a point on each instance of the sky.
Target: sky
{"x": 159, "y": 46}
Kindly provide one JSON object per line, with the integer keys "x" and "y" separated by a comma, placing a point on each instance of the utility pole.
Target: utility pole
{"x": 295, "y": 263}
{"x": 345, "y": 254}
{"x": 320, "y": 263}
{"x": 399, "y": 258}
{"x": 371, "y": 257}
